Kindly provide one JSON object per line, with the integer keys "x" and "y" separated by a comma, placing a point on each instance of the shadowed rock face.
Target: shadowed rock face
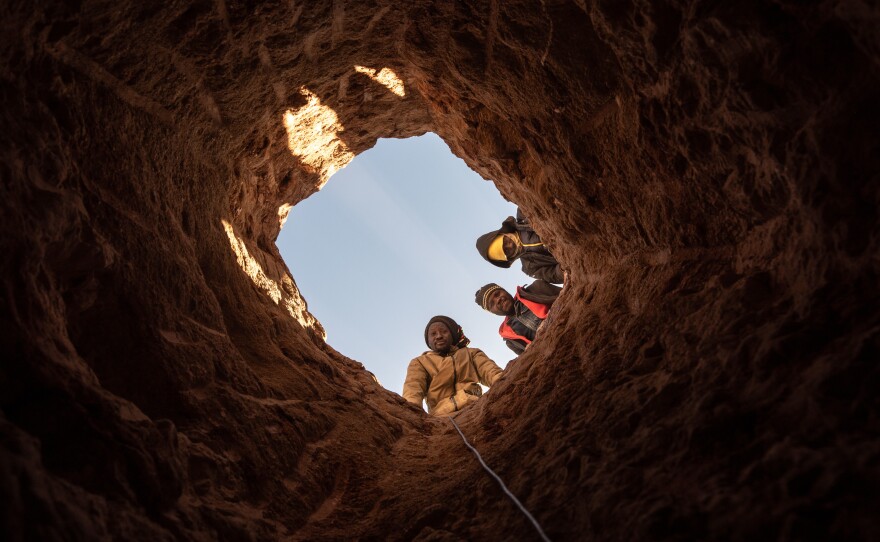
{"x": 707, "y": 173}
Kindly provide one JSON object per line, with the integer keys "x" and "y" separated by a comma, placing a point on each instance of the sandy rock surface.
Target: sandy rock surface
{"x": 706, "y": 172}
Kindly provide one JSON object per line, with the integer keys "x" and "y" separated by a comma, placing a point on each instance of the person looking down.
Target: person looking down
{"x": 448, "y": 376}
{"x": 516, "y": 240}
{"x": 524, "y": 313}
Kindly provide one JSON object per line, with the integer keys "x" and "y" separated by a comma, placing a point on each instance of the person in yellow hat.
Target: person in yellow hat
{"x": 516, "y": 240}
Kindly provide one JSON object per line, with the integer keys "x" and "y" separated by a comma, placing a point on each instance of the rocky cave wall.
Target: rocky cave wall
{"x": 706, "y": 172}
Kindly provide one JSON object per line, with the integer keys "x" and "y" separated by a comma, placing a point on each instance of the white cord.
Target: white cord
{"x": 501, "y": 483}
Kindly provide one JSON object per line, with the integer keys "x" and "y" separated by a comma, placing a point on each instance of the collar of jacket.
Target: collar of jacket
{"x": 538, "y": 309}
{"x": 451, "y": 351}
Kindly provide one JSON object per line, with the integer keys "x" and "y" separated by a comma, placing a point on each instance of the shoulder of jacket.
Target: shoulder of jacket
{"x": 423, "y": 356}
{"x": 541, "y": 286}
{"x": 537, "y": 256}
{"x": 537, "y": 283}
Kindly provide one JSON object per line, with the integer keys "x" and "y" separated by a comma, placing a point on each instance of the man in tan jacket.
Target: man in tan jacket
{"x": 449, "y": 375}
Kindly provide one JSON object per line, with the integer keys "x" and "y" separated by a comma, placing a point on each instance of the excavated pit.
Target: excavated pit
{"x": 708, "y": 174}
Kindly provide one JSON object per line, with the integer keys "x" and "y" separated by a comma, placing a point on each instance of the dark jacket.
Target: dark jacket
{"x": 537, "y": 262}
{"x": 519, "y": 330}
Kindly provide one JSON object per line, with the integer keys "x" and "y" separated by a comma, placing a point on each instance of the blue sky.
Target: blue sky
{"x": 388, "y": 243}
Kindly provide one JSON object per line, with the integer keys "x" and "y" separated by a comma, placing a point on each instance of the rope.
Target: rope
{"x": 501, "y": 483}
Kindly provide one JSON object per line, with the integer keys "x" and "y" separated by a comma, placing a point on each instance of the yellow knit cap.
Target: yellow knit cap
{"x": 496, "y": 249}
{"x": 491, "y": 288}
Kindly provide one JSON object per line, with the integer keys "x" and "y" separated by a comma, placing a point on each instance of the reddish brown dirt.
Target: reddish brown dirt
{"x": 706, "y": 171}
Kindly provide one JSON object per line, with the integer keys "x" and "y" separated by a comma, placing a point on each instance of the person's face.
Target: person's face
{"x": 439, "y": 337}
{"x": 500, "y": 302}
{"x": 509, "y": 246}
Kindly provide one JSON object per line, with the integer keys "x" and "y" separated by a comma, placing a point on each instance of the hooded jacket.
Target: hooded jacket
{"x": 537, "y": 262}
{"x": 531, "y": 305}
{"x": 451, "y": 381}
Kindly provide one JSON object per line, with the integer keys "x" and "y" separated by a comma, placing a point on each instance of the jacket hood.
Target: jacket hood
{"x": 483, "y": 241}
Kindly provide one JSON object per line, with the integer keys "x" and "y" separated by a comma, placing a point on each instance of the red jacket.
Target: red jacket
{"x": 538, "y": 309}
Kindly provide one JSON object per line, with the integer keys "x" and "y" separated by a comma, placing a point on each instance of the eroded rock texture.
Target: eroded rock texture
{"x": 707, "y": 172}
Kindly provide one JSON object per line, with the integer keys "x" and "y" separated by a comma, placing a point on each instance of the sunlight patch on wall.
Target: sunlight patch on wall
{"x": 313, "y": 137}
{"x": 285, "y": 294}
{"x": 386, "y": 78}
{"x": 283, "y": 212}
